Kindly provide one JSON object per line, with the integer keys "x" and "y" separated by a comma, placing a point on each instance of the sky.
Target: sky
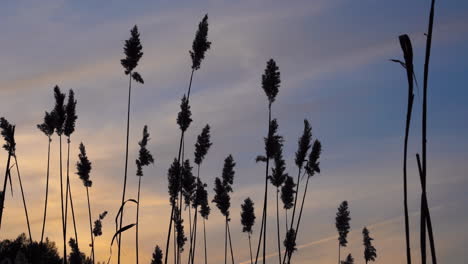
{"x": 335, "y": 71}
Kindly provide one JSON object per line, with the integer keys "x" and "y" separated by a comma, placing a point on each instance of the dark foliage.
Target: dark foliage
{"x": 342, "y": 223}
{"x": 83, "y": 167}
{"x": 228, "y": 173}
{"x": 287, "y": 192}
{"x": 70, "y": 119}
{"x": 8, "y": 133}
{"x": 59, "y": 111}
{"x": 157, "y": 256}
{"x": 273, "y": 142}
{"x": 144, "y": 158}
{"x": 76, "y": 256}
{"x": 200, "y": 44}
{"x": 48, "y": 126}
{"x": 313, "y": 166}
{"x": 370, "y": 253}
{"x": 203, "y": 145}
{"x": 97, "y": 229}
{"x": 290, "y": 241}
{"x": 132, "y": 51}
{"x": 303, "y": 144}
{"x": 183, "y": 118}
{"x": 247, "y": 215}
{"x": 188, "y": 182}
{"x": 271, "y": 80}
{"x": 137, "y": 77}
{"x": 221, "y": 198}
{"x": 40, "y": 253}
{"x": 179, "y": 226}
{"x": 173, "y": 179}
{"x": 349, "y": 260}
{"x": 278, "y": 175}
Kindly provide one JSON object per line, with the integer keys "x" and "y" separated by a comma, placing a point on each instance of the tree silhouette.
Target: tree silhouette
{"x": 202, "y": 146}
{"x": 144, "y": 159}
{"x": 68, "y": 129}
{"x": 76, "y": 256}
{"x": 342, "y": 225}
{"x": 8, "y": 134}
{"x": 48, "y": 128}
{"x": 33, "y": 252}
{"x": 83, "y": 167}
{"x": 157, "y": 256}
{"x": 349, "y": 260}
{"x": 248, "y": 220}
{"x": 370, "y": 253}
{"x": 270, "y": 85}
{"x": 133, "y": 53}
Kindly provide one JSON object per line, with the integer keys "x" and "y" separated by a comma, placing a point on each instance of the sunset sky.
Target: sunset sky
{"x": 335, "y": 70}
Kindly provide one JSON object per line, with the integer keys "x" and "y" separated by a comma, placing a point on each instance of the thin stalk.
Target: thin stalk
{"x": 424, "y": 119}
{"x": 68, "y": 194}
{"x": 427, "y": 213}
{"x": 204, "y": 240}
{"x": 265, "y": 198}
{"x": 90, "y": 224}
{"x": 230, "y": 242}
{"x": 339, "y": 253}
{"x": 137, "y": 219}
{"x": 61, "y": 202}
{"x": 7, "y": 175}
{"x": 277, "y": 226}
{"x": 47, "y": 191}
{"x": 73, "y": 213}
{"x": 250, "y": 247}
{"x": 300, "y": 216}
{"x": 126, "y": 164}
{"x": 193, "y": 232}
{"x": 286, "y": 218}
{"x": 225, "y": 242}
{"x": 24, "y": 199}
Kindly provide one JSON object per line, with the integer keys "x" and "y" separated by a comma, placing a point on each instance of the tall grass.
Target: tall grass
{"x": 133, "y": 53}
{"x": 48, "y": 128}
{"x": 199, "y": 47}
{"x": 370, "y": 253}
{"x": 270, "y": 85}
{"x": 69, "y": 128}
{"x": 222, "y": 199}
{"x": 144, "y": 159}
{"x": 342, "y": 226}
{"x": 8, "y": 134}
{"x": 248, "y": 220}
{"x": 83, "y": 167}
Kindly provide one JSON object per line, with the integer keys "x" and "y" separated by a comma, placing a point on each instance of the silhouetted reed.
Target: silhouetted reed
{"x": 60, "y": 116}
{"x": 349, "y": 260}
{"x": 48, "y": 128}
{"x": 202, "y": 146}
{"x": 199, "y": 47}
{"x": 144, "y": 159}
{"x": 370, "y": 253}
{"x": 248, "y": 220}
{"x": 270, "y": 85}
{"x": 69, "y": 128}
{"x": 342, "y": 225}
{"x": 133, "y": 53}
{"x": 8, "y": 134}
{"x": 83, "y": 167}
{"x": 222, "y": 199}
{"x": 287, "y": 196}
{"x": 312, "y": 167}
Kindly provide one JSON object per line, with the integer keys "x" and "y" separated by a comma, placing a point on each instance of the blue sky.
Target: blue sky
{"x": 335, "y": 69}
